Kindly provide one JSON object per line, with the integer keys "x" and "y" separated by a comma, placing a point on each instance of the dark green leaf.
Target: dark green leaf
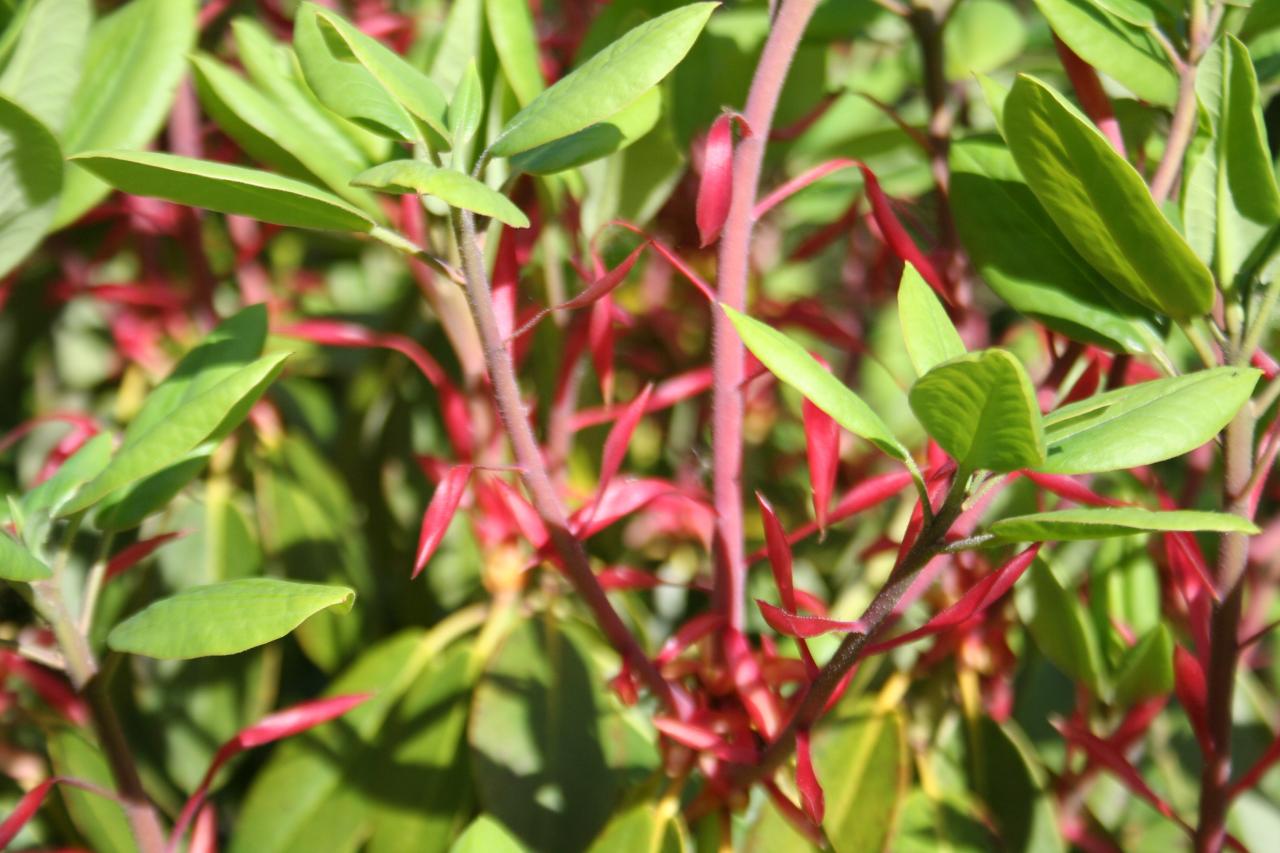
{"x": 126, "y": 508}
{"x": 225, "y": 188}
{"x": 1007, "y": 775}
{"x": 981, "y": 409}
{"x": 454, "y": 188}
{"x": 224, "y": 618}
{"x": 1147, "y": 668}
{"x": 929, "y": 334}
{"x": 1145, "y": 423}
{"x": 1065, "y": 525}
{"x": 608, "y": 82}
{"x": 30, "y": 180}
{"x": 1102, "y": 204}
{"x": 1061, "y": 628}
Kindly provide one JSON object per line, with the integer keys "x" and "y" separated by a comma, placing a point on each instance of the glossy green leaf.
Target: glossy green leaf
{"x": 1146, "y": 669}
{"x": 341, "y": 83}
{"x": 596, "y": 141}
{"x": 486, "y": 835}
{"x": 271, "y": 135}
{"x": 30, "y": 181}
{"x": 19, "y": 564}
{"x": 391, "y": 774}
{"x": 1115, "y": 47}
{"x": 930, "y": 336}
{"x": 788, "y": 361}
{"x": 1027, "y": 261}
{"x": 1064, "y": 525}
{"x": 981, "y": 409}
{"x": 454, "y": 188}
{"x": 85, "y": 464}
{"x": 512, "y": 30}
{"x": 135, "y": 60}
{"x": 225, "y": 188}
{"x": 412, "y": 89}
{"x": 1061, "y": 628}
{"x": 862, "y": 763}
{"x": 552, "y": 750}
{"x": 1145, "y": 423}
{"x": 1102, "y": 204}
{"x": 1230, "y": 200}
{"x": 224, "y": 618}
{"x": 608, "y": 82}
{"x": 44, "y": 70}
{"x": 207, "y": 416}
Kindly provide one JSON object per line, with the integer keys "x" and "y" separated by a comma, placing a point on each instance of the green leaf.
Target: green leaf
{"x": 864, "y": 769}
{"x": 100, "y": 820}
{"x": 981, "y": 409}
{"x": 1065, "y": 525}
{"x": 30, "y": 180}
{"x": 85, "y": 464}
{"x": 597, "y": 141}
{"x": 1007, "y": 775}
{"x": 1146, "y": 669}
{"x": 981, "y": 36}
{"x": 608, "y": 82}
{"x": 551, "y": 748}
{"x": 224, "y": 618}
{"x": 271, "y": 135}
{"x": 42, "y": 74}
{"x": 1145, "y": 423}
{"x": 930, "y": 336}
{"x": 412, "y": 89}
{"x": 1115, "y": 47}
{"x": 205, "y": 417}
{"x": 465, "y": 111}
{"x": 514, "y": 38}
{"x": 126, "y": 508}
{"x": 135, "y": 60}
{"x": 1027, "y": 261}
{"x": 454, "y": 188}
{"x": 341, "y": 83}
{"x": 1061, "y": 628}
{"x": 788, "y": 361}
{"x": 1230, "y": 198}
{"x": 19, "y": 564}
{"x": 646, "y": 826}
{"x": 1102, "y": 204}
{"x": 225, "y": 188}
{"x": 486, "y": 835}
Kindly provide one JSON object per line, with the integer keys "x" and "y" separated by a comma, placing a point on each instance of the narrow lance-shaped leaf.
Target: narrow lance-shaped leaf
{"x": 594, "y": 292}
{"x": 788, "y": 361}
{"x": 804, "y": 627}
{"x": 606, "y": 83}
{"x": 715, "y": 190}
{"x": 1061, "y": 629}
{"x": 981, "y": 409}
{"x": 439, "y": 512}
{"x": 454, "y": 188}
{"x": 896, "y": 236}
{"x": 601, "y": 139}
{"x": 930, "y": 336}
{"x": 1102, "y": 522}
{"x": 225, "y": 188}
{"x": 23, "y": 812}
{"x": 807, "y": 780}
{"x": 822, "y": 449}
{"x": 516, "y": 42}
{"x": 224, "y": 618}
{"x": 1102, "y": 204}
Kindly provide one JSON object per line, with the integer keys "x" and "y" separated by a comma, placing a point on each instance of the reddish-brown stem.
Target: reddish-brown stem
{"x": 734, "y": 264}
{"x": 542, "y": 494}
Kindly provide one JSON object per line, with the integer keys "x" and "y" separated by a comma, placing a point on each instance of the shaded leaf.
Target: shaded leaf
{"x": 1062, "y": 629}
{"x": 43, "y": 71}
{"x": 30, "y": 181}
{"x": 601, "y": 139}
{"x": 1146, "y": 670}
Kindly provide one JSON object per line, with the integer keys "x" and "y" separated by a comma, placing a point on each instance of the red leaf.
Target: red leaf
{"x": 521, "y": 513}
{"x": 977, "y": 599}
{"x": 807, "y": 781}
{"x": 703, "y": 739}
{"x": 51, "y": 687}
{"x": 1193, "y": 692}
{"x": 620, "y": 499}
{"x": 1071, "y": 489}
{"x": 798, "y": 183}
{"x": 688, "y": 634}
{"x": 715, "y": 191}
{"x": 272, "y": 727}
{"x": 672, "y": 258}
{"x": 139, "y": 551}
{"x": 804, "y": 627}
{"x": 779, "y": 553}
{"x": 896, "y": 236}
{"x": 761, "y": 705}
{"x": 625, "y": 577}
{"x": 665, "y": 395}
{"x": 439, "y": 512}
{"x": 615, "y": 445}
{"x": 23, "y": 812}
{"x": 600, "y": 343}
{"x": 204, "y": 835}
{"x": 822, "y": 446}
{"x": 597, "y": 290}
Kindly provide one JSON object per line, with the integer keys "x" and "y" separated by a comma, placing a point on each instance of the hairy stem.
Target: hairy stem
{"x": 542, "y": 494}
{"x": 734, "y": 263}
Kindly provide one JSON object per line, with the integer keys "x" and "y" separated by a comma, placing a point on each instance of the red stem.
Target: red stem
{"x": 727, "y": 355}
{"x": 1093, "y": 99}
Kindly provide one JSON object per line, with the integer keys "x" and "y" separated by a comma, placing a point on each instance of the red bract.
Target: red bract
{"x": 1192, "y": 691}
{"x": 439, "y": 512}
{"x": 599, "y": 288}
{"x": 806, "y": 627}
{"x": 807, "y": 780}
{"x": 23, "y": 812}
{"x": 129, "y": 557}
{"x": 897, "y": 237}
{"x": 1070, "y": 488}
{"x": 715, "y": 192}
{"x": 273, "y": 727}
{"x": 51, "y": 687}
{"x": 793, "y": 186}
{"x": 822, "y": 446}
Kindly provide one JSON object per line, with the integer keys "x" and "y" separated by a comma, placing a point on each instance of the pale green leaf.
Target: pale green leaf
{"x": 454, "y": 188}
{"x": 486, "y": 835}
{"x": 1145, "y": 423}
{"x": 465, "y": 111}
{"x": 1101, "y": 204}
{"x": 83, "y": 465}
{"x": 1065, "y": 525}
{"x": 863, "y": 766}
{"x": 981, "y": 409}
{"x": 929, "y": 334}
{"x": 44, "y": 70}
{"x": 30, "y": 180}
{"x": 224, "y": 618}
{"x": 516, "y": 41}
{"x": 598, "y": 140}
{"x": 608, "y": 82}
{"x": 19, "y": 564}
{"x": 788, "y": 361}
